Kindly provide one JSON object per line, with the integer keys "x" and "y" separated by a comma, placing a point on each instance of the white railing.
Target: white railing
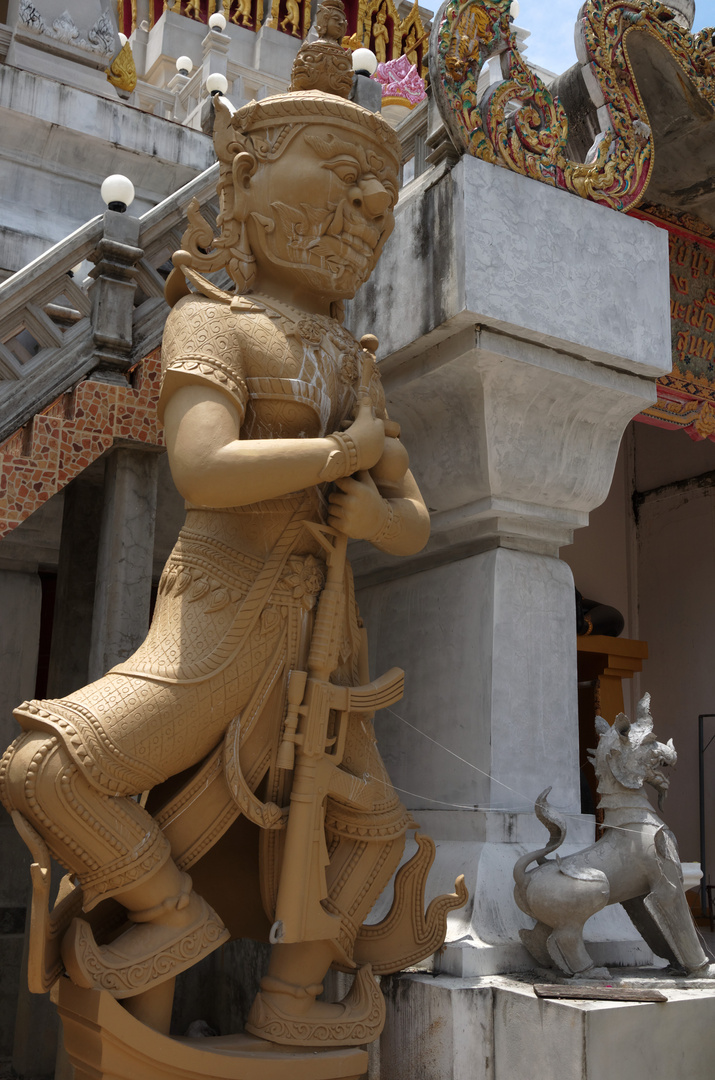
{"x": 46, "y": 328}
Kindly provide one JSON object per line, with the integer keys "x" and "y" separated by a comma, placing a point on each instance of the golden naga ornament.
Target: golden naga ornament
{"x": 522, "y": 126}
{"x": 246, "y": 714}
{"x": 122, "y": 72}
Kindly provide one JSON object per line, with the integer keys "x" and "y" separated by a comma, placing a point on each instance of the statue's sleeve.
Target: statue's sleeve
{"x": 202, "y": 344}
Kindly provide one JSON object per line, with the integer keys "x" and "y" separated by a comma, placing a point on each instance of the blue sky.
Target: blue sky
{"x": 551, "y": 23}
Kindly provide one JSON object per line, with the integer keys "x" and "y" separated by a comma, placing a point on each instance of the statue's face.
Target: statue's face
{"x": 332, "y": 24}
{"x": 319, "y": 215}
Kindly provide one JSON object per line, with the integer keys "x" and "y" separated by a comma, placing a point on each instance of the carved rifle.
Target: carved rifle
{"x": 315, "y": 754}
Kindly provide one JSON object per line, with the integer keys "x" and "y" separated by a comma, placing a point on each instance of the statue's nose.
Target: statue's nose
{"x": 372, "y": 197}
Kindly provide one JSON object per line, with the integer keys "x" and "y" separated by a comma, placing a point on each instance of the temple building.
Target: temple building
{"x": 545, "y": 311}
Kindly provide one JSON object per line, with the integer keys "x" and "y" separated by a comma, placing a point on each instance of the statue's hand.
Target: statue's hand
{"x": 358, "y": 509}
{"x": 360, "y": 446}
{"x": 393, "y": 464}
{"x": 368, "y": 434}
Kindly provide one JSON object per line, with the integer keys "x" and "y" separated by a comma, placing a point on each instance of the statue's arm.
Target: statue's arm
{"x": 212, "y": 466}
{"x": 399, "y": 524}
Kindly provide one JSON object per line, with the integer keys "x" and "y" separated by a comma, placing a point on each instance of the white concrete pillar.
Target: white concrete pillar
{"x": 520, "y": 330}
{"x": 124, "y": 567}
{"x": 214, "y": 50}
{"x": 76, "y": 583}
{"x": 28, "y": 1023}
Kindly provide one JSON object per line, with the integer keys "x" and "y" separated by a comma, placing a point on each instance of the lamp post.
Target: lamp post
{"x": 114, "y": 281}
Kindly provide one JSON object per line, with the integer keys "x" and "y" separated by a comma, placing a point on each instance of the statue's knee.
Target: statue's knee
{"x": 27, "y": 768}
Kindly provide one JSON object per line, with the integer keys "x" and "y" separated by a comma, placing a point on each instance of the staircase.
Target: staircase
{"x": 71, "y": 385}
{"x": 48, "y": 327}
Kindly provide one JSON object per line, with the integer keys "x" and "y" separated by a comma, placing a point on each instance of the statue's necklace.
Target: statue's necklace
{"x": 312, "y": 329}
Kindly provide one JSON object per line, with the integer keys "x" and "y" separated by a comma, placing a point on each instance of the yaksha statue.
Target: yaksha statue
{"x": 237, "y": 742}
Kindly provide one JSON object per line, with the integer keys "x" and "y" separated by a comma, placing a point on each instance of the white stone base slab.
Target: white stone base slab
{"x": 496, "y": 1028}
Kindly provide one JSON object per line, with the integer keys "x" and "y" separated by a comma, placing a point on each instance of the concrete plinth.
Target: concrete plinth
{"x": 275, "y": 51}
{"x": 484, "y": 1029}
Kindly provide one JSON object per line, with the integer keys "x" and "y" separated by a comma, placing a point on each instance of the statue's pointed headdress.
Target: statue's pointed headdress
{"x": 321, "y": 82}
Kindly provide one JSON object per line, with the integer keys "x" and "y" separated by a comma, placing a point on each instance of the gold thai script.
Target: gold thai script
{"x": 692, "y": 304}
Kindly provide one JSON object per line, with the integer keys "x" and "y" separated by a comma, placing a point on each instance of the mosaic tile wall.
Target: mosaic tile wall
{"x": 58, "y": 443}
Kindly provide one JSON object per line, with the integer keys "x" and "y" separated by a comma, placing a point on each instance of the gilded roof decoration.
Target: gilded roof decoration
{"x": 122, "y": 71}
{"x": 380, "y": 28}
{"x": 520, "y": 125}
{"x": 686, "y": 397}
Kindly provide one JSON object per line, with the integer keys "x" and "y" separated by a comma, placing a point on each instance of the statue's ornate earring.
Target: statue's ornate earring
{"x": 242, "y": 267}
{"x": 242, "y": 264}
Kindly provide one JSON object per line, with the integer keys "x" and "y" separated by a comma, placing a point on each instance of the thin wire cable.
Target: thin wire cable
{"x": 484, "y": 809}
{"x": 457, "y": 756}
{"x": 462, "y": 806}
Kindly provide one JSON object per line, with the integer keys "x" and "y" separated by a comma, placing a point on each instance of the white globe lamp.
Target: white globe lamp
{"x": 216, "y": 84}
{"x": 364, "y": 62}
{"x": 117, "y": 192}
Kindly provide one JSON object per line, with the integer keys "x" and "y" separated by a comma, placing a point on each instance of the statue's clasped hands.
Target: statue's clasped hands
{"x": 358, "y": 508}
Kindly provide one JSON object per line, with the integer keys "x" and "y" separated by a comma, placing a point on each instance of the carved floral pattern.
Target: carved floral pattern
{"x": 306, "y": 576}
{"x": 100, "y": 37}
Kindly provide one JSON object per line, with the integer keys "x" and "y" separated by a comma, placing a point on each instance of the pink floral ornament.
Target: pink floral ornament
{"x": 399, "y": 78}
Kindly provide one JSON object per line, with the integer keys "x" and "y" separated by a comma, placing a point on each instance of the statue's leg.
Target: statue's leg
{"x": 116, "y": 849}
{"x": 668, "y": 909}
{"x": 365, "y": 849}
{"x": 535, "y": 941}
{"x": 567, "y": 950}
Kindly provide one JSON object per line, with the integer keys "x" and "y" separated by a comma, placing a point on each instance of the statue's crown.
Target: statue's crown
{"x": 321, "y": 82}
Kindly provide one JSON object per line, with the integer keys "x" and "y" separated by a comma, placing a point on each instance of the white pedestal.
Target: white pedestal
{"x": 485, "y": 1029}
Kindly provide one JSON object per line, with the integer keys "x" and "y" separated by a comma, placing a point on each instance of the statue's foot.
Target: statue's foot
{"x": 147, "y": 954}
{"x": 288, "y": 1014}
{"x": 593, "y": 973}
{"x": 705, "y": 971}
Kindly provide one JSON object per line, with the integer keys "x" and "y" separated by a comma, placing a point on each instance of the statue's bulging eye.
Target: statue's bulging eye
{"x": 347, "y": 171}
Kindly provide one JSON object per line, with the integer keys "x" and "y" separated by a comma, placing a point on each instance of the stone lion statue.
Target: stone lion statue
{"x": 635, "y": 863}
